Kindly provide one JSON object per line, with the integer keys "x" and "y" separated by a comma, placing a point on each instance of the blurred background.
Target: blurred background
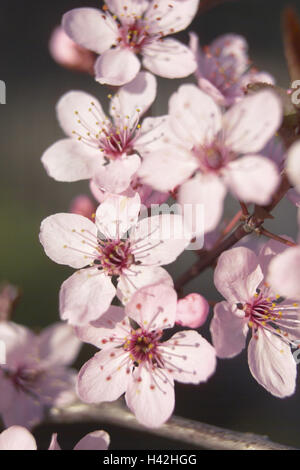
{"x": 232, "y": 398}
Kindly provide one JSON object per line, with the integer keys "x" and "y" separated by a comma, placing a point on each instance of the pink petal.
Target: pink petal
{"x": 104, "y": 377}
{"x": 58, "y": 345}
{"x": 76, "y": 111}
{"x": 246, "y": 177}
{"x": 85, "y": 296}
{"x": 136, "y": 95}
{"x": 178, "y": 163}
{"x": 169, "y": 58}
{"x": 17, "y": 438}
{"x": 170, "y": 17}
{"x": 142, "y": 276}
{"x": 63, "y": 239}
{"x": 272, "y": 364}
{"x": 194, "y": 359}
{"x": 134, "y": 8}
{"x": 232, "y": 49}
{"x": 118, "y": 174}
{"x": 90, "y": 28}
{"x": 194, "y": 116}
{"x": 238, "y": 274}
{"x": 154, "y": 132}
{"x": 192, "y": 311}
{"x": 165, "y": 237}
{"x": 54, "y": 445}
{"x": 249, "y": 124}
{"x": 202, "y": 200}
{"x": 153, "y": 307}
{"x": 68, "y": 160}
{"x": 117, "y": 67}
{"x": 117, "y": 214}
{"x": 97, "y": 440}
{"x": 293, "y": 165}
{"x": 267, "y": 252}
{"x": 156, "y": 391}
{"x": 284, "y": 273}
{"x": 26, "y": 411}
{"x": 228, "y": 331}
{"x": 109, "y": 331}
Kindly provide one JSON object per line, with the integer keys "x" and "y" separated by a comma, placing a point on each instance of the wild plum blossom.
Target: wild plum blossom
{"x": 223, "y": 68}
{"x": 192, "y": 311}
{"x": 127, "y": 28}
{"x": 137, "y": 361}
{"x": 106, "y": 150}
{"x": 35, "y": 375}
{"x": 207, "y": 152}
{"x": 19, "y": 438}
{"x": 105, "y": 252}
{"x": 252, "y": 305}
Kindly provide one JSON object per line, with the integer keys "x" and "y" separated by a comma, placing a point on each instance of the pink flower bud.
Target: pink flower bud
{"x": 192, "y": 311}
{"x": 69, "y": 54}
{"x": 83, "y": 205}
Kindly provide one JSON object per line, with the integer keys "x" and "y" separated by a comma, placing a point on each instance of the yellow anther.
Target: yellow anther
{"x": 250, "y": 324}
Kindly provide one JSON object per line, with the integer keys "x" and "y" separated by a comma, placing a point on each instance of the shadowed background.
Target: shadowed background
{"x": 28, "y": 126}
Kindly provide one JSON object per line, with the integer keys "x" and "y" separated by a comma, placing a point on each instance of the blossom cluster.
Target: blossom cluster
{"x": 217, "y": 137}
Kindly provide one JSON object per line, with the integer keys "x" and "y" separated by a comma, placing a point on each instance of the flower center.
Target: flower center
{"x": 114, "y": 256}
{"x": 112, "y": 139}
{"x": 135, "y": 35}
{"x": 142, "y": 346}
{"x": 213, "y": 157}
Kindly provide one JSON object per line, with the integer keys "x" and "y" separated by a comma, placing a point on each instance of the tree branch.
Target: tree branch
{"x": 179, "y": 429}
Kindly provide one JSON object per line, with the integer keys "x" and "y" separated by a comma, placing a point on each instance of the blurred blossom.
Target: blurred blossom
{"x": 69, "y": 54}
{"x": 9, "y": 295}
{"x": 192, "y": 311}
{"x": 36, "y": 375}
{"x": 83, "y": 205}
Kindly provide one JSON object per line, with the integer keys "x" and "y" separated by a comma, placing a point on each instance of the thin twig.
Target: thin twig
{"x": 271, "y": 235}
{"x": 178, "y": 429}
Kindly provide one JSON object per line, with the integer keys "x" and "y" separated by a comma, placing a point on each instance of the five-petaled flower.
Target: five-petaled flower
{"x": 137, "y": 361}
{"x": 223, "y": 68}
{"x": 135, "y": 27}
{"x": 105, "y": 250}
{"x": 251, "y": 304}
{"x": 106, "y": 150}
{"x": 35, "y": 375}
{"x": 207, "y": 151}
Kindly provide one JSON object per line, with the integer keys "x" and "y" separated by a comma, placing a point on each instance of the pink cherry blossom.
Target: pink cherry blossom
{"x": 192, "y": 311}
{"x": 127, "y": 28}
{"x": 137, "y": 362}
{"x": 206, "y": 153}
{"x": 222, "y": 68}
{"x": 69, "y": 54}
{"x": 104, "y": 250}
{"x": 19, "y": 438}
{"x": 106, "y": 150}
{"x": 252, "y": 305}
{"x": 35, "y": 375}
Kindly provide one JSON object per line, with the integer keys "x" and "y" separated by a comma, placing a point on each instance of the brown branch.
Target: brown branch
{"x": 178, "y": 429}
{"x": 273, "y": 236}
{"x": 250, "y": 225}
